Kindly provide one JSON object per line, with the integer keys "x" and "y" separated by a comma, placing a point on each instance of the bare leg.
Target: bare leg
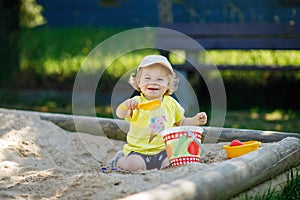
{"x": 132, "y": 163}
{"x": 165, "y": 163}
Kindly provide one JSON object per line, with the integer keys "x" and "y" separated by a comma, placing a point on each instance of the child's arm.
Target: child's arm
{"x": 126, "y": 107}
{"x": 197, "y": 120}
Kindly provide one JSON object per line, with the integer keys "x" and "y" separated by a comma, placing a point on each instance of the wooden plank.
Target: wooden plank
{"x": 209, "y": 29}
{"x": 230, "y": 36}
{"x": 217, "y": 134}
{"x": 250, "y": 43}
{"x": 231, "y": 177}
{"x": 172, "y": 43}
{"x": 202, "y": 67}
{"x": 256, "y": 67}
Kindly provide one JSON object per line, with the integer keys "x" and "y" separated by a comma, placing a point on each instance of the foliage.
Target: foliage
{"x": 31, "y": 14}
{"x": 292, "y": 190}
{"x": 256, "y": 57}
{"x": 56, "y": 49}
{"x": 51, "y": 57}
{"x": 9, "y": 40}
{"x": 262, "y": 119}
{"x": 59, "y": 52}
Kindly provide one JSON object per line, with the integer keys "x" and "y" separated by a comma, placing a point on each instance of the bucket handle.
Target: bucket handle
{"x": 196, "y": 140}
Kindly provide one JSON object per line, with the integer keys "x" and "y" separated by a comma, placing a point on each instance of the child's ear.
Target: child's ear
{"x": 137, "y": 83}
{"x": 137, "y": 80}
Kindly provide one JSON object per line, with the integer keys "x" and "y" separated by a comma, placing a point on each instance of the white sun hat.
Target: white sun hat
{"x": 153, "y": 59}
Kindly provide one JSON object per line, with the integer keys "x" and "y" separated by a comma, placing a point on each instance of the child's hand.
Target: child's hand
{"x": 197, "y": 120}
{"x": 201, "y": 118}
{"x": 131, "y": 104}
{"x": 125, "y": 108}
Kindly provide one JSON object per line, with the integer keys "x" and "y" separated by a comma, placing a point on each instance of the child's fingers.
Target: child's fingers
{"x": 202, "y": 115}
{"x": 202, "y": 118}
{"x": 132, "y": 104}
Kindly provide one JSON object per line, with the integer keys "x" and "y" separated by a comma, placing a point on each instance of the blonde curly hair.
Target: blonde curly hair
{"x": 172, "y": 77}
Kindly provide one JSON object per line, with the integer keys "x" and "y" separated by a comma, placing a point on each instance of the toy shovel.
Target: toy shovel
{"x": 150, "y": 105}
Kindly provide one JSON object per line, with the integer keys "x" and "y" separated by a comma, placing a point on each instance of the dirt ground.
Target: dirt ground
{"x": 39, "y": 160}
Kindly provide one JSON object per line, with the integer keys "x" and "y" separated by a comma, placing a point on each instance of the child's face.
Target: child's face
{"x": 153, "y": 81}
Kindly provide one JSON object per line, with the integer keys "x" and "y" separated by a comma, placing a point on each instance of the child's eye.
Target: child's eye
{"x": 160, "y": 79}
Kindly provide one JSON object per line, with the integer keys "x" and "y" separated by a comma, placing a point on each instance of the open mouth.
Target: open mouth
{"x": 152, "y": 88}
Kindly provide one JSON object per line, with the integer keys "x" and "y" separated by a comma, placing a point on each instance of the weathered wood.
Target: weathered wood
{"x": 202, "y": 67}
{"x": 112, "y": 128}
{"x": 217, "y": 134}
{"x": 233, "y": 43}
{"x": 117, "y": 129}
{"x": 197, "y": 37}
{"x": 231, "y": 36}
{"x": 231, "y": 177}
{"x": 234, "y": 29}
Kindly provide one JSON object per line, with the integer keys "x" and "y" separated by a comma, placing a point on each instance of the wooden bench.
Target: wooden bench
{"x": 229, "y": 36}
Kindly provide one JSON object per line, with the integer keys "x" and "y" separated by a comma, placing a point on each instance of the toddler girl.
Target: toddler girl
{"x": 145, "y": 148}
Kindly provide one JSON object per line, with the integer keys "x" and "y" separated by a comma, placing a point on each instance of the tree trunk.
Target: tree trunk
{"x": 229, "y": 134}
{"x": 9, "y": 40}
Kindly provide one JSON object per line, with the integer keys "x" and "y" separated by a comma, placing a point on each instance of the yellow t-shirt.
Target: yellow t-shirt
{"x": 145, "y": 126}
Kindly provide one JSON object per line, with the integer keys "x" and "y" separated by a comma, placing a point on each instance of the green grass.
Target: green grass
{"x": 255, "y": 57}
{"x": 60, "y": 52}
{"x": 260, "y": 119}
{"x": 51, "y": 58}
{"x": 291, "y": 191}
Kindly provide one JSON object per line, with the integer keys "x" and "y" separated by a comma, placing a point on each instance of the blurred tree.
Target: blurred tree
{"x": 13, "y": 14}
{"x": 31, "y": 14}
{"x": 9, "y": 39}
{"x": 165, "y": 11}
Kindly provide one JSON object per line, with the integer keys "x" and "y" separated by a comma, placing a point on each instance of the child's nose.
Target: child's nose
{"x": 153, "y": 83}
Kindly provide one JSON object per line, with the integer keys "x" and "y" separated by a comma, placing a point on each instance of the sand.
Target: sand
{"x": 39, "y": 160}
